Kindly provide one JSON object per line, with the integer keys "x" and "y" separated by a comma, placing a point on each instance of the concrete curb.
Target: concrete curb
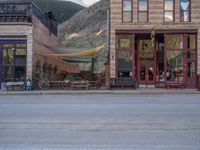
{"x": 81, "y": 92}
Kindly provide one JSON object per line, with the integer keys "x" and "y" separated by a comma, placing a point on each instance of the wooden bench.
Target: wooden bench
{"x": 13, "y": 85}
{"x": 80, "y": 84}
{"x": 175, "y": 84}
{"x": 123, "y": 82}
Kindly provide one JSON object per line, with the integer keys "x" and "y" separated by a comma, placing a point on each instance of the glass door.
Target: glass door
{"x": 190, "y": 61}
{"x": 146, "y": 62}
{"x": 147, "y": 73}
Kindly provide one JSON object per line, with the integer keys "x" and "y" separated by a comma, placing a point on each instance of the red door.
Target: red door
{"x": 147, "y": 73}
{"x": 146, "y": 63}
{"x": 190, "y": 60}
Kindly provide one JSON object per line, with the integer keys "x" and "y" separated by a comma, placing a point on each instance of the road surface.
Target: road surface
{"x": 103, "y": 122}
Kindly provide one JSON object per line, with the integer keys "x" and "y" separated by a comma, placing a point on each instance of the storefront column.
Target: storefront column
{"x": 112, "y": 55}
{"x": 198, "y": 53}
{"x": 29, "y": 66}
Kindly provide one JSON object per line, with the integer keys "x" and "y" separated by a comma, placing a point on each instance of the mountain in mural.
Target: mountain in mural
{"x": 63, "y": 10}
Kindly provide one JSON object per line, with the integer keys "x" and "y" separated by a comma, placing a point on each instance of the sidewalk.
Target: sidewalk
{"x": 139, "y": 91}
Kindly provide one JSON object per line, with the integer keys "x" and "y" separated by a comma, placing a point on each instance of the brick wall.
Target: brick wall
{"x": 41, "y": 35}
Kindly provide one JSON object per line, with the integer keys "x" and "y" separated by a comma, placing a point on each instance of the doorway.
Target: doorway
{"x": 190, "y": 60}
{"x": 146, "y": 62}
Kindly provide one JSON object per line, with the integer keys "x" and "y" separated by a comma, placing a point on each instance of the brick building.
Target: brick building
{"x": 155, "y": 41}
{"x": 24, "y": 29}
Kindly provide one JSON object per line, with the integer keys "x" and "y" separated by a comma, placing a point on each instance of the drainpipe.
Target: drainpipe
{"x": 107, "y": 66}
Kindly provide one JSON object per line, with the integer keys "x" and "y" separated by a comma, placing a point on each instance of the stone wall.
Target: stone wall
{"x": 18, "y": 30}
{"x": 155, "y": 22}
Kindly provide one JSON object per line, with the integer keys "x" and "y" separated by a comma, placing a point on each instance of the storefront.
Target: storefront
{"x": 13, "y": 58}
{"x": 157, "y": 58}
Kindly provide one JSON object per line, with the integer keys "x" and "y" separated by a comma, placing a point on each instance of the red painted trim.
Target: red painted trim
{"x": 186, "y": 60}
{"x": 161, "y": 31}
{"x": 133, "y": 55}
{"x": 146, "y": 63}
{"x": 165, "y": 59}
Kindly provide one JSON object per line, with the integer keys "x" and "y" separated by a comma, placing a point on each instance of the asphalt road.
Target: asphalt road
{"x": 103, "y": 122}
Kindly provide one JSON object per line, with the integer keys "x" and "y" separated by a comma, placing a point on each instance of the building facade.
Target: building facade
{"x": 155, "y": 41}
{"x": 24, "y": 30}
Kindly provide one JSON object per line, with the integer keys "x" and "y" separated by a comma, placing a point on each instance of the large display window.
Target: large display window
{"x": 174, "y": 47}
{"x": 13, "y": 65}
{"x": 124, "y": 55}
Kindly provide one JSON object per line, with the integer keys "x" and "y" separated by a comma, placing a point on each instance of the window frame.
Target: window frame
{"x": 127, "y": 11}
{"x": 173, "y": 11}
{"x": 14, "y": 65}
{"x": 130, "y": 49}
{"x": 175, "y": 49}
{"x": 147, "y": 12}
{"x": 189, "y": 11}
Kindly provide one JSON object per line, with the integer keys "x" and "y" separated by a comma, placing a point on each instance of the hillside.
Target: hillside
{"x": 63, "y": 10}
{"x": 87, "y": 29}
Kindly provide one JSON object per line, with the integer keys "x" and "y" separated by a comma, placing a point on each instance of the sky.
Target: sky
{"x": 84, "y": 2}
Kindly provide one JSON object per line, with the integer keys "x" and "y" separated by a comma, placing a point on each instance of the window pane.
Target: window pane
{"x": 169, "y": 16}
{"x": 8, "y": 56}
{"x": 150, "y": 72}
{"x": 123, "y": 41}
{"x": 191, "y": 55}
{"x": 20, "y": 51}
{"x": 174, "y": 41}
{"x": 20, "y": 73}
{"x": 190, "y": 69}
{"x": 127, "y": 17}
{"x": 20, "y": 59}
{"x": 174, "y": 65}
{"x": 142, "y": 16}
{"x": 142, "y": 5}
{"x": 20, "y": 45}
{"x": 185, "y": 16}
{"x": 146, "y": 50}
{"x": 185, "y": 4}
{"x": 8, "y": 45}
{"x": 124, "y": 60}
{"x": 142, "y": 72}
{"x": 8, "y": 74}
{"x": 127, "y": 5}
{"x": 169, "y": 5}
{"x": 185, "y": 9}
{"x": 146, "y": 46}
{"x": 191, "y": 41}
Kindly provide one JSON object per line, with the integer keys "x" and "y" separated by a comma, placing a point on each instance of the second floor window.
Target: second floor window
{"x": 185, "y": 10}
{"x": 127, "y": 10}
{"x": 143, "y": 11}
{"x": 169, "y": 11}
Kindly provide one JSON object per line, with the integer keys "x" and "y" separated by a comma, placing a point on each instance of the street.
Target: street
{"x": 103, "y": 122}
